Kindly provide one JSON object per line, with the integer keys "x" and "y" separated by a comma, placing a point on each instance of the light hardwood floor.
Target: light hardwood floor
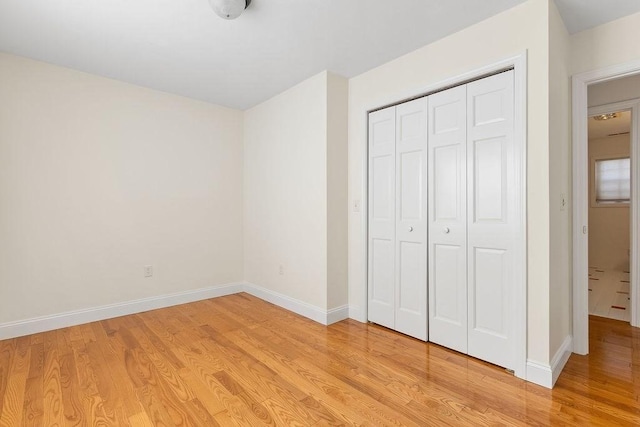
{"x": 609, "y": 291}
{"x": 237, "y": 360}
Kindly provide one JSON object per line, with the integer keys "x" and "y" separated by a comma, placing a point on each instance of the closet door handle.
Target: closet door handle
{"x": 410, "y": 228}
{"x": 446, "y": 230}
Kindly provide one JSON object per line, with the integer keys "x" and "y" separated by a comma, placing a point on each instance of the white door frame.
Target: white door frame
{"x": 580, "y": 114}
{"x": 518, "y": 63}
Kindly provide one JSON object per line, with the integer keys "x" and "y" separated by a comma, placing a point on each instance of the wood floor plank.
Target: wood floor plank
{"x": 327, "y": 409}
{"x": 33, "y": 411}
{"x": 126, "y": 394}
{"x": 154, "y": 409}
{"x": 178, "y": 411}
{"x": 282, "y": 414}
{"x": 330, "y": 394}
{"x": 109, "y": 395}
{"x": 13, "y": 399}
{"x": 71, "y": 393}
{"x": 141, "y": 419}
{"x": 86, "y": 375}
{"x": 259, "y": 380}
{"x": 202, "y": 392}
{"x": 161, "y": 345}
{"x": 324, "y": 414}
{"x": 7, "y": 352}
{"x": 52, "y": 391}
{"x": 237, "y": 360}
{"x": 163, "y": 368}
{"x": 204, "y": 369}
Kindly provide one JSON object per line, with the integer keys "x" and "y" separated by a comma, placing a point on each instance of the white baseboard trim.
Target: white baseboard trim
{"x": 547, "y": 375}
{"x": 77, "y": 317}
{"x": 299, "y": 307}
{"x": 539, "y": 373}
{"x": 337, "y": 314}
{"x": 109, "y": 311}
{"x": 561, "y": 358}
{"x": 356, "y": 313}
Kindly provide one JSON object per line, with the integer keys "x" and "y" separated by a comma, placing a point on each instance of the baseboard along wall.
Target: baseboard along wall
{"x": 78, "y": 317}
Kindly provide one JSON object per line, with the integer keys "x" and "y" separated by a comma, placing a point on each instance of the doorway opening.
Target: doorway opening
{"x": 620, "y": 98}
{"x": 609, "y": 237}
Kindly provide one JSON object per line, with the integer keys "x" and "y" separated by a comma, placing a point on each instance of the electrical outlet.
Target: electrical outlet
{"x": 148, "y": 270}
{"x": 281, "y": 270}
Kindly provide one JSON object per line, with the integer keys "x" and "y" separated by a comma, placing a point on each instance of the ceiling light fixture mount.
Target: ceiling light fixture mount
{"x": 607, "y": 116}
{"x": 229, "y": 9}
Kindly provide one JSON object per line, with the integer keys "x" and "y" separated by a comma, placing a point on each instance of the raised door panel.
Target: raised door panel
{"x": 492, "y": 220}
{"x": 447, "y": 218}
{"x": 446, "y": 279}
{"x": 382, "y": 274}
{"x": 383, "y": 204}
{"x": 382, "y": 217}
{"x": 411, "y": 219}
{"x": 489, "y": 289}
{"x": 490, "y": 180}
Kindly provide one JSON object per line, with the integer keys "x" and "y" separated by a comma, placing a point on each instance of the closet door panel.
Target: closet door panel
{"x": 447, "y": 218}
{"x": 446, "y": 290}
{"x": 382, "y": 217}
{"x": 492, "y": 222}
{"x": 411, "y": 215}
{"x": 489, "y": 167}
{"x": 489, "y": 288}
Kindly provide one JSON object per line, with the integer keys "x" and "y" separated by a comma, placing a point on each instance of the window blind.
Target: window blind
{"x": 613, "y": 180}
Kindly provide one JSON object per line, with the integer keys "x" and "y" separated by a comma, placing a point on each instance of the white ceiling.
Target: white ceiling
{"x": 182, "y": 47}
{"x": 580, "y": 15}
{"x": 611, "y": 127}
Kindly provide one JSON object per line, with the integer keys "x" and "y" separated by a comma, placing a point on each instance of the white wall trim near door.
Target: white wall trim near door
{"x": 580, "y": 165}
{"x": 561, "y": 358}
{"x": 109, "y": 311}
{"x": 358, "y": 313}
{"x": 547, "y": 375}
{"x": 539, "y": 373}
{"x": 337, "y": 314}
{"x": 325, "y": 317}
{"x": 519, "y": 65}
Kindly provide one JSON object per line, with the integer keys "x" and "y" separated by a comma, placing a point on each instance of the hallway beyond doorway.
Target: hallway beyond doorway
{"x": 609, "y": 293}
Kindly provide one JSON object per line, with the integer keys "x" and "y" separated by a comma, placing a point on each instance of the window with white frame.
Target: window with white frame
{"x": 612, "y": 181}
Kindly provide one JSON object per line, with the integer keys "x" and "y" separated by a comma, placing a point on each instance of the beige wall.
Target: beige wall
{"x": 521, "y": 28}
{"x": 337, "y": 201}
{"x": 99, "y": 178}
{"x": 624, "y": 89}
{"x": 606, "y": 45}
{"x": 295, "y": 211}
{"x": 285, "y": 192}
{"x": 559, "y": 182}
{"x": 609, "y": 227}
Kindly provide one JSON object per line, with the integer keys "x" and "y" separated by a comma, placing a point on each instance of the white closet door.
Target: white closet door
{"x": 447, "y": 219}
{"x": 382, "y": 216}
{"x": 492, "y": 217}
{"x": 411, "y": 219}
